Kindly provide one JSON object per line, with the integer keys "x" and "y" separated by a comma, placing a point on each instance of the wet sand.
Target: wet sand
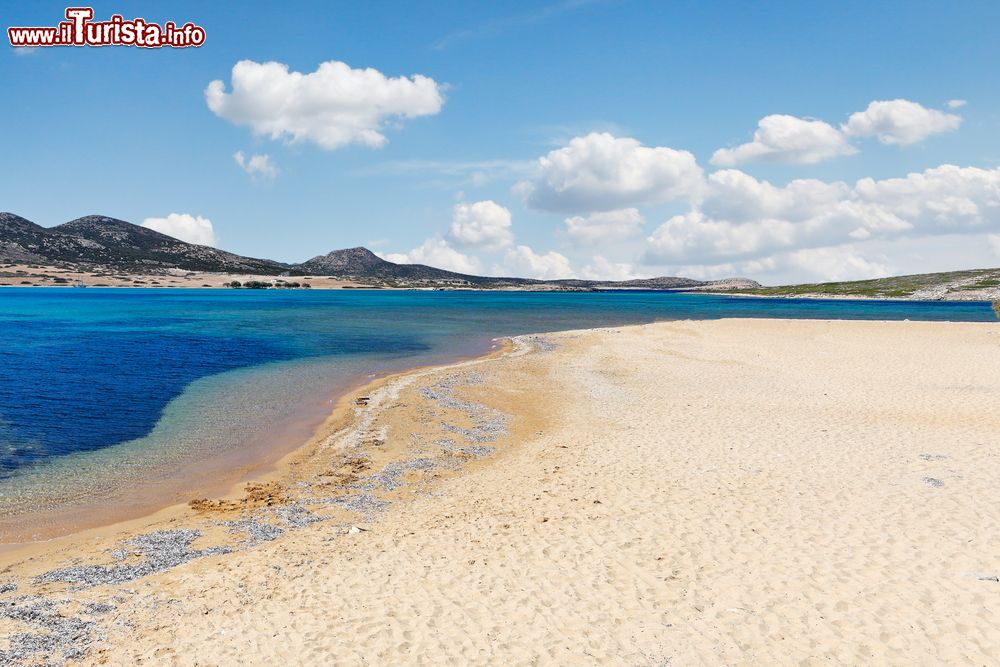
{"x": 159, "y": 487}
{"x": 196, "y": 474}
{"x": 727, "y": 492}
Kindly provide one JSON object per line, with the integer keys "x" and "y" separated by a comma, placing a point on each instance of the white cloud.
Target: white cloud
{"x": 601, "y": 172}
{"x": 742, "y": 218}
{"x": 749, "y": 268}
{"x": 600, "y": 268}
{"x": 836, "y": 263}
{"x": 332, "y": 107}
{"x": 483, "y": 224}
{"x": 787, "y": 139}
{"x": 994, "y": 241}
{"x": 606, "y": 226}
{"x": 523, "y": 262}
{"x": 899, "y": 122}
{"x": 25, "y": 50}
{"x": 736, "y": 196}
{"x": 437, "y": 253}
{"x": 190, "y": 228}
{"x": 812, "y": 265}
{"x": 695, "y": 237}
{"x": 792, "y": 140}
{"x": 258, "y": 166}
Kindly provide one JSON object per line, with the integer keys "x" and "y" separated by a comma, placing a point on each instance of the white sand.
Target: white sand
{"x": 740, "y": 492}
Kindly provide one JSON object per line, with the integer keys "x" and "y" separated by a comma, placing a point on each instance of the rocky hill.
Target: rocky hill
{"x": 363, "y": 264}
{"x": 350, "y": 261}
{"x": 106, "y": 243}
{"x": 100, "y": 243}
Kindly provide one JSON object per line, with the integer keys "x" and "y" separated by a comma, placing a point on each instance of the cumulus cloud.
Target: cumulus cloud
{"x": 332, "y": 107}
{"x": 190, "y": 228}
{"x": 743, "y": 218}
{"x": 437, "y": 253}
{"x": 899, "y": 122}
{"x": 811, "y": 265}
{"x": 791, "y": 140}
{"x": 836, "y": 263}
{"x": 523, "y": 262}
{"x": 736, "y": 196}
{"x": 600, "y": 268}
{"x": 601, "y": 172}
{"x": 258, "y": 166}
{"x": 787, "y": 139}
{"x": 749, "y": 268}
{"x": 696, "y": 237}
{"x": 994, "y": 241}
{"x": 482, "y": 224}
{"x": 606, "y": 226}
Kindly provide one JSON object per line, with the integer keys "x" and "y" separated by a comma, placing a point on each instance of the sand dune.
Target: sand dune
{"x": 740, "y": 492}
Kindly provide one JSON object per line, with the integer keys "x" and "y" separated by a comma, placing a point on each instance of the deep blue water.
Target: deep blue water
{"x": 81, "y": 370}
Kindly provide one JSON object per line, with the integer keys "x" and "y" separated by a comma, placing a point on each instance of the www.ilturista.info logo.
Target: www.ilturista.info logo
{"x": 81, "y": 30}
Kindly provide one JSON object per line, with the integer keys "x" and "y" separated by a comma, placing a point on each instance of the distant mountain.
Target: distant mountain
{"x": 96, "y": 243}
{"x": 971, "y": 285}
{"x": 362, "y": 263}
{"x": 353, "y": 261}
{"x": 24, "y": 241}
{"x": 102, "y": 242}
{"x": 13, "y": 225}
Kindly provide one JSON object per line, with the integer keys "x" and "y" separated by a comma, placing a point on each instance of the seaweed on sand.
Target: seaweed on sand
{"x": 161, "y": 550}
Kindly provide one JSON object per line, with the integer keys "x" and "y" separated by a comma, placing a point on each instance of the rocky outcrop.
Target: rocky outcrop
{"x": 96, "y": 241}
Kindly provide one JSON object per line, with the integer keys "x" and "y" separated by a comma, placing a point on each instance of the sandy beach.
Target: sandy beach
{"x": 738, "y": 492}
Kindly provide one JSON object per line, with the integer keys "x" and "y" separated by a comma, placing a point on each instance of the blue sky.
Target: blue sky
{"x": 632, "y": 99}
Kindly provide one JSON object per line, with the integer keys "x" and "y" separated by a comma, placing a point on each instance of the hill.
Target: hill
{"x": 972, "y": 285}
{"x": 97, "y": 243}
{"x": 100, "y": 242}
{"x": 363, "y": 264}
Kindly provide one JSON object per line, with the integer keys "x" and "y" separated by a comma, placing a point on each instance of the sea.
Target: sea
{"x": 109, "y": 389}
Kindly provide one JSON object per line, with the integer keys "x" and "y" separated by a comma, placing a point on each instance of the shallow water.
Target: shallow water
{"x": 103, "y": 388}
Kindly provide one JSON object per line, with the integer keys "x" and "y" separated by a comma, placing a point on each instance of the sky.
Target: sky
{"x": 782, "y": 141}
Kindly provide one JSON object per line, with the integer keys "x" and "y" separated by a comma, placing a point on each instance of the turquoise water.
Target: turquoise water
{"x": 112, "y": 381}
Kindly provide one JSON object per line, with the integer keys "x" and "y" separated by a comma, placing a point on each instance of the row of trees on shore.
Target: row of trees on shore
{"x": 260, "y": 284}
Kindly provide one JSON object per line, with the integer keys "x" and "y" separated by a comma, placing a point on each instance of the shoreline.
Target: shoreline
{"x": 232, "y": 486}
{"x": 222, "y": 517}
{"x": 228, "y": 472}
{"x": 949, "y": 297}
{"x": 217, "y": 476}
{"x": 819, "y": 296}
{"x": 630, "y": 485}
